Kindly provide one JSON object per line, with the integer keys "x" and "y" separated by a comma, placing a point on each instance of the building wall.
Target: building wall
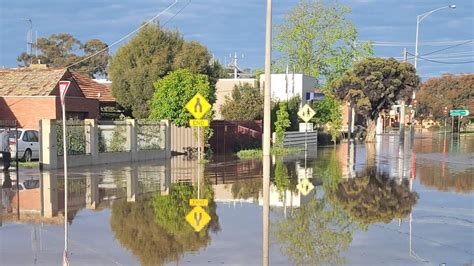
{"x": 28, "y": 111}
{"x": 224, "y": 88}
{"x": 298, "y": 85}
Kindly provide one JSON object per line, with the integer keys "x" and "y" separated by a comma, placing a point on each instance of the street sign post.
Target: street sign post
{"x": 306, "y": 113}
{"x": 198, "y": 106}
{"x": 459, "y": 112}
{"x": 63, "y": 87}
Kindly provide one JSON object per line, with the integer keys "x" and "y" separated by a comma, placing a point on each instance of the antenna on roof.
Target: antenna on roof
{"x": 29, "y": 39}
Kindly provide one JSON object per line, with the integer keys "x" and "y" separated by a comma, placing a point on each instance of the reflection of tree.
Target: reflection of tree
{"x": 145, "y": 228}
{"x": 282, "y": 180}
{"x": 315, "y": 233}
{"x": 246, "y": 189}
{"x": 452, "y": 180}
{"x": 374, "y": 198}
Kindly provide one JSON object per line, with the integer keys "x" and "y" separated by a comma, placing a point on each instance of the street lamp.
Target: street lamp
{"x": 419, "y": 18}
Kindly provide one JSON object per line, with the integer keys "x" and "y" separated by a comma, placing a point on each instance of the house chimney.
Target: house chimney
{"x": 38, "y": 66}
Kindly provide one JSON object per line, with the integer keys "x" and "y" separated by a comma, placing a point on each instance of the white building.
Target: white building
{"x": 286, "y": 86}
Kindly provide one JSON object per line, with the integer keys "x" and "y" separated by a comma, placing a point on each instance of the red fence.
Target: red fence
{"x": 232, "y": 136}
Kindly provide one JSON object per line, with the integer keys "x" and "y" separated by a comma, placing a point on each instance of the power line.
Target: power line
{"x": 443, "y": 62}
{"x": 404, "y": 44}
{"x": 127, "y": 35}
{"x": 449, "y": 47}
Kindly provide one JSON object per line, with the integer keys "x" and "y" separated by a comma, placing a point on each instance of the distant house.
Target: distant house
{"x": 28, "y": 95}
{"x": 224, "y": 89}
{"x": 286, "y": 86}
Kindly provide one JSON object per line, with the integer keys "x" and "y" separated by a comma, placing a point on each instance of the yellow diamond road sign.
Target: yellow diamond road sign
{"x": 306, "y": 113}
{"x": 198, "y": 106}
{"x": 198, "y": 218}
{"x": 304, "y": 186}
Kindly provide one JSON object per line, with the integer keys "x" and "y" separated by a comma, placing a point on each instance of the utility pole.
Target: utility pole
{"x": 266, "y": 135}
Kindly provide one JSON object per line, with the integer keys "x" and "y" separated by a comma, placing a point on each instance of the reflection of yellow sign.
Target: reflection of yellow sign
{"x": 198, "y": 202}
{"x": 306, "y": 113}
{"x": 304, "y": 186}
{"x": 198, "y": 106}
{"x": 199, "y": 122}
{"x": 198, "y": 218}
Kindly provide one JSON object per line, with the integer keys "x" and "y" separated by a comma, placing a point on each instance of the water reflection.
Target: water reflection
{"x": 154, "y": 229}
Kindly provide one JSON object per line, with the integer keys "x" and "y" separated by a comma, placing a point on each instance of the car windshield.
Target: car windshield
{"x": 14, "y": 134}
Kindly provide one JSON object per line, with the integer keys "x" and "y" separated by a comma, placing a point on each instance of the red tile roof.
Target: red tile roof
{"x": 92, "y": 89}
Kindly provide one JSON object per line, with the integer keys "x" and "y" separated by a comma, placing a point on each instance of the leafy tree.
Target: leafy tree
{"x": 318, "y": 40}
{"x": 60, "y": 50}
{"x": 246, "y": 103}
{"x": 292, "y": 107}
{"x": 174, "y": 91}
{"x": 148, "y": 57}
{"x": 281, "y": 124}
{"x": 453, "y": 92}
{"x": 328, "y": 112}
{"x": 375, "y": 84}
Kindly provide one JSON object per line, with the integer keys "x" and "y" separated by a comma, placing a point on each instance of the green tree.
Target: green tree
{"x": 174, "y": 91}
{"x": 148, "y": 57}
{"x": 281, "y": 124}
{"x": 328, "y": 112}
{"x": 453, "y": 92}
{"x": 375, "y": 84}
{"x": 63, "y": 49}
{"x": 246, "y": 103}
{"x": 318, "y": 40}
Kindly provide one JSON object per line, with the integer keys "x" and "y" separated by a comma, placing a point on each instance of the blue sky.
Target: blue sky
{"x": 228, "y": 26}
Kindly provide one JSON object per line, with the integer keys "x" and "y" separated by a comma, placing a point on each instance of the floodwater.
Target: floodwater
{"x": 384, "y": 203}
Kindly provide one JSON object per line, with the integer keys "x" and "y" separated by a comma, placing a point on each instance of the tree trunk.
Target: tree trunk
{"x": 371, "y": 125}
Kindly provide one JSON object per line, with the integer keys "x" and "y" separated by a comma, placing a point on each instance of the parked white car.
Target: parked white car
{"x": 28, "y": 144}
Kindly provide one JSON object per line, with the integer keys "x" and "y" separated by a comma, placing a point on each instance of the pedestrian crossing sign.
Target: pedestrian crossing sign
{"x": 198, "y": 106}
{"x": 306, "y": 113}
{"x": 304, "y": 186}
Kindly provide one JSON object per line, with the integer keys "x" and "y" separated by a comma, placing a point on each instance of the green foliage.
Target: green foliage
{"x": 171, "y": 209}
{"x": 119, "y": 139}
{"x": 292, "y": 107}
{"x": 281, "y": 124}
{"x": 245, "y": 104}
{"x": 134, "y": 225}
{"x": 59, "y": 50}
{"x": 375, "y": 84}
{"x": 148, "y": 57}
{"x": 328, "y": 112}
{"x": 257, "y": 153}
{"x": 318, "y": 40}
{"x": 75, "y": 135}
{"x": 314, "y": 234}
{"x": 453, "y": 92}
{"x": 174, "y": 91}
{"x": 282, "y": 179}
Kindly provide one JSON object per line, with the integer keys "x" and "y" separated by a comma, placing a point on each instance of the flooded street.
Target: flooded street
{"x": 383, "y": 203}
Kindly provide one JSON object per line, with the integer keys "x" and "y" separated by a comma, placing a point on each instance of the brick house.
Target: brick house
{"x": 31, "y": 94}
